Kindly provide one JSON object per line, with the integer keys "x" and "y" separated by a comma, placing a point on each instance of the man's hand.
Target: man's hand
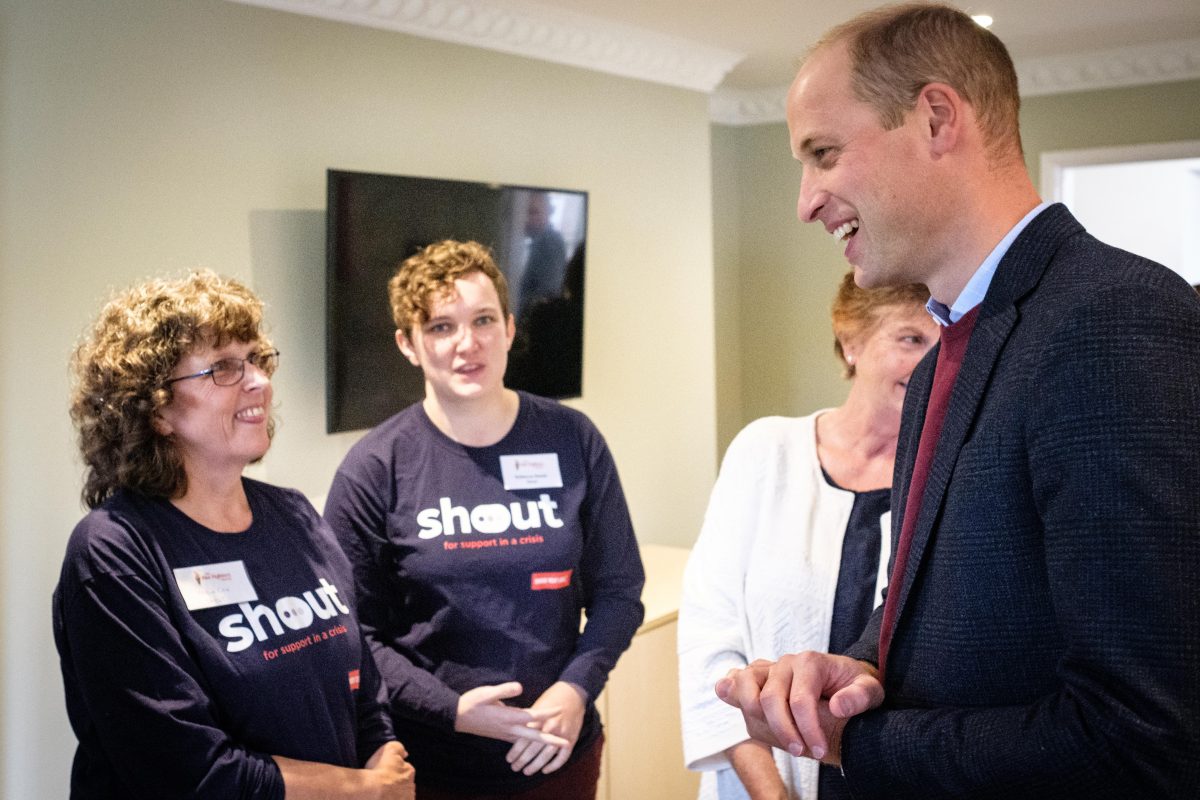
{"x": 481, "y": 711}
{"x": 801, "y": 702}
{"x": 568, "y": 702}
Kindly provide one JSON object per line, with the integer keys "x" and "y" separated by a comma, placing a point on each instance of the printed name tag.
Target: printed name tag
{"x": 533, "y": 471}
{"x": 540, "y": 581}
{"x": 213, "y": 585}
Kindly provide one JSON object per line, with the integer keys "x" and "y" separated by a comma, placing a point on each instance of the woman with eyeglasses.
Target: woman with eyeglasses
{"x": 205, "y": 621}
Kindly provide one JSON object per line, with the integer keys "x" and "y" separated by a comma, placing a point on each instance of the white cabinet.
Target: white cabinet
{"x": 643, "y": 755}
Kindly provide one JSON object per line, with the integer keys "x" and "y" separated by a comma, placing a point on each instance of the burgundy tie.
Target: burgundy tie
{"x": 954, "y": 345}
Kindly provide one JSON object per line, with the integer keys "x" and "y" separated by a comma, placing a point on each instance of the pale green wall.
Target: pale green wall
{"x": 138, "y": 136}
{"x": 779, "y": 358}
{"x": 784, "y": 275}
{"x": 1165, "y": 112}
{"x": 727, "y": 282}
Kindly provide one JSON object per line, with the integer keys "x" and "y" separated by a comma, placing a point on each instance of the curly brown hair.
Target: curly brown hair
{"x": 431, "y": 273}
{"x": 856, "y": 311}
{"x": 120, "y": 367}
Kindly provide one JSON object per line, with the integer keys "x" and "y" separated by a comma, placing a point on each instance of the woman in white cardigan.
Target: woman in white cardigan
{"x": 797, "y": 523}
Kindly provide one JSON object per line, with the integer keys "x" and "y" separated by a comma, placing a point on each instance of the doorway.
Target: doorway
{"x": 1142, "y": 198}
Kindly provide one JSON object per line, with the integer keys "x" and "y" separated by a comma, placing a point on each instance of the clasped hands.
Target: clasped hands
{"x": 801, "y": 702}
{"x": 543, "y": 735}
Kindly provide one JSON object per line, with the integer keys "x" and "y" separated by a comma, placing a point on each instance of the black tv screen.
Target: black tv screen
{"x": 374, "y": 222}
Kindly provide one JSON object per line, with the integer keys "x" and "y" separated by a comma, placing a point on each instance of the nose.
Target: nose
{"x": 812, "y": 198}
{"x": 253, "y": 377}
{"x": 466, "y": 338}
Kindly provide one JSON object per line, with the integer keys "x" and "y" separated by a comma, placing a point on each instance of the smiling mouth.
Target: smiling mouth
{"x": 252, "y": 414}
{"x": 844, "y": 231}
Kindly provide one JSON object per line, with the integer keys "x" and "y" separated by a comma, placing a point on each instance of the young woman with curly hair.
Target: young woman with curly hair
{"x": 481, "y": 523}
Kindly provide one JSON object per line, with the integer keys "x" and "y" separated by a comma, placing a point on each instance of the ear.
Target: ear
{"x": 851, "y": 346}
{"x": 944, "y": 111}
{"x": 510, "y": 331}
{"x": 406, "y": 347}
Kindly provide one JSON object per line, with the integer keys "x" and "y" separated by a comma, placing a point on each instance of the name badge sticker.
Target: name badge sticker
{"x": 532, "y": 471}
{"x": 214, "y": 585}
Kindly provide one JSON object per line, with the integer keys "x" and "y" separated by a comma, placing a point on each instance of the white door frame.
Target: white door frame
{"x": 1054, "y": 162}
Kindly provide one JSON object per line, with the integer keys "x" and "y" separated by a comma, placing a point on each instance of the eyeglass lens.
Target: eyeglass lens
{"x": 229, "y": 371}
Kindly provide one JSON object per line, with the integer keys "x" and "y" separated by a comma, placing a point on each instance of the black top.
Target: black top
{"x": 854, "y": 598}
{"x": 470, "y": 578}
{"x": 190, "y": 657}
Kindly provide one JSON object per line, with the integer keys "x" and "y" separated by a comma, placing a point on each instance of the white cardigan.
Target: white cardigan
{"x": 760, "y": 583}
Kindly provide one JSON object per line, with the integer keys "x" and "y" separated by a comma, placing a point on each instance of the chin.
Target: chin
{"x": 259, "y": 453}
{"x": 865, "y": 278}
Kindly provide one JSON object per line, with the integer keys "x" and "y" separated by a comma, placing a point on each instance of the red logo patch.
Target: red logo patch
{"x": 539, "y": 581}
{"x": 354, "y": 681}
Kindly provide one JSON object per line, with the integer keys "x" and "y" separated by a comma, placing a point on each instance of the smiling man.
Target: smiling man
{"x": 1041, "y": 635}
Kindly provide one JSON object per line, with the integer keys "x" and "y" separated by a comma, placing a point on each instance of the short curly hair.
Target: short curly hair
{"x": 431, "y": 273}
{"x": 856, "y": 311}
{"x": 120, "y": 368}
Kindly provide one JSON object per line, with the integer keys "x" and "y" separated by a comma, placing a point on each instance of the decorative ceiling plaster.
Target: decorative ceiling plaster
{"x": 748, "y": 107}
{"x": 1107, "y": 69}
{"x": 1135, "y": 65}
{"x": 535, "y": 31}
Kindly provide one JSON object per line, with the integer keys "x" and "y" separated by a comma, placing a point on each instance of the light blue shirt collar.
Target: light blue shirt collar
{"x": 973, "y": 293}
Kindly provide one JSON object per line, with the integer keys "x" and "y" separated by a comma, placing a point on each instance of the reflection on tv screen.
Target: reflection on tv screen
{"x": 374, "y": 222}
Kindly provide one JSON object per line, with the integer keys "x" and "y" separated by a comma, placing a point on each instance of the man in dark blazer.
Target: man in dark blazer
{"x": 1041, "y": 634}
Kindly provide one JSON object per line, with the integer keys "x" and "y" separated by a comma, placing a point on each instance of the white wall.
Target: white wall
{"x": 1147, "y": 207}
{"x": 142, "y": 136}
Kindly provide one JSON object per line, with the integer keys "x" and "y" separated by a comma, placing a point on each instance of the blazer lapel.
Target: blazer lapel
{"x": 912, "y": 420}
{"x": 1018, "y": 273}
{"x": 983, "y": 351}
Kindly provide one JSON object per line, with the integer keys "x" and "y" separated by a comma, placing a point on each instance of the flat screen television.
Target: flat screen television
{"x": 374, "y": 222}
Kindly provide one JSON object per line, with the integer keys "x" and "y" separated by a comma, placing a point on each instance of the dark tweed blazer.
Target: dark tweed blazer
{"x": 1048, "y": 640}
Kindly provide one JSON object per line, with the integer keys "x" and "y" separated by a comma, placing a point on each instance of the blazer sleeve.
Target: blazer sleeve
{"x": 1112, "y": 434}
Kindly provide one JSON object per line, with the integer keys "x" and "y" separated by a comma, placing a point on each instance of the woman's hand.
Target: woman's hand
{"x": 386, "y": 776}
{"x": 755, "y": 767}
{"x": 482, "y": 713}
{"x": 567, "y": 701}
{"x": 395, "y": 776}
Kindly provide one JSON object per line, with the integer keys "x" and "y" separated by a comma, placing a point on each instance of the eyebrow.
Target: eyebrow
{"x": 810, "y": 143}
{"x": 471, "y": 312}
{"x": 232, "y": 349}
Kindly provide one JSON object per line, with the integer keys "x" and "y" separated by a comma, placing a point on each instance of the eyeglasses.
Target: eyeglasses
{"x": 229, "y": 371}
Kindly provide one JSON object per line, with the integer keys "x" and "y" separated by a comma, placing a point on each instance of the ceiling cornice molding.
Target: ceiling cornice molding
{"x": 1135, "y": 65}
{"x": 527, "y": 29}
{"x": 748, "y": 106}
